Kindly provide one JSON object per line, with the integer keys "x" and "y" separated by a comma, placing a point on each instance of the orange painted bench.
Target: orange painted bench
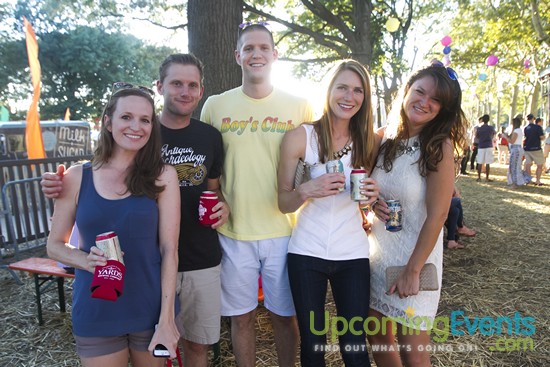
{"x": 44, "y": 272}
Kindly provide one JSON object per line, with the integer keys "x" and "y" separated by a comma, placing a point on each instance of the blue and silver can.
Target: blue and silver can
{"x": 395, "y": 222}
{"x": 336, "y": 166}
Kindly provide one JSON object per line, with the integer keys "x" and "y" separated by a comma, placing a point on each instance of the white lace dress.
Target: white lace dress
{"x": 405, "y": 183}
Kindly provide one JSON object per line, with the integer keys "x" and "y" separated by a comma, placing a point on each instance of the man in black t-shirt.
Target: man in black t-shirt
{"x": 532, "y": 147}
{"x": 195, "y": 149}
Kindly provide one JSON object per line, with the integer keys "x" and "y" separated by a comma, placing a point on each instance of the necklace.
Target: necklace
{"x": 404, "y": 148}
{"x": 342, "y": 152}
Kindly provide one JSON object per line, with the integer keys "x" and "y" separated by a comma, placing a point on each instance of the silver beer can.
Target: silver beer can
{"x": 336, "y": 166}
{"x": 355, "y": 184}
{"x": 108, "y": 243}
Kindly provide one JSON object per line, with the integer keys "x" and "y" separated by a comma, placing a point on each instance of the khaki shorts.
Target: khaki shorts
{"x": 534, "y": 156}
{"x": 90, "y": 347}
{"x": 199, "y": 292}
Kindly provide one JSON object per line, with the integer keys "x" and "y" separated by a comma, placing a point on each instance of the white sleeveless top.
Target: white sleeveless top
{"x": 329, "y": 228}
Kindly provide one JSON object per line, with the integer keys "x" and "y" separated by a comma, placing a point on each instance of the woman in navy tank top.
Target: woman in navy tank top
{"x": 127, "y": 189}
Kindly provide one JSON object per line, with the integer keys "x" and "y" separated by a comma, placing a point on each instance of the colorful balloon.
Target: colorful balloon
{"x": 447, "y": 50}
{"x": 446, "y": 41}
{"x": 392, "y": 24}
{"x": 446, "y": 60}
{"x": 482, "y": 76}
{"x": 491, "y": 60}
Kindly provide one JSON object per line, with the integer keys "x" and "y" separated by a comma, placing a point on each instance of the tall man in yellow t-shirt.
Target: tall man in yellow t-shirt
{"x": 253, "y": 119}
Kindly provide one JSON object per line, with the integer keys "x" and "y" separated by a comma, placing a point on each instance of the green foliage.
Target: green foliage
{"x": 481, "y": 28}
{"x": 79, "y": 67}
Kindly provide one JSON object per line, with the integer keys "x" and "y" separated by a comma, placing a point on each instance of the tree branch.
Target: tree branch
{"x": 330, "y": 42}
{"x": 539, "y": 30}
{"x": 322, "y": 12}
{"x": 312, "y": 61}
{"x": 174, "y": 27}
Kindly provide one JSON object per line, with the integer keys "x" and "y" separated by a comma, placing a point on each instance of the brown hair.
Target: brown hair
{"x": 450, "y": 122}
{"x": 148, "y": 165}
{"x": 254, "y": 27}
{"x": 183, "y": 59}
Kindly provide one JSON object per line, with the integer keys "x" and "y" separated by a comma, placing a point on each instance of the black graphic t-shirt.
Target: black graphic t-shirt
{"x": 196, "y": 152}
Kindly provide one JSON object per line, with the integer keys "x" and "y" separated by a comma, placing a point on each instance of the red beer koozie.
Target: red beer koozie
{"x": 207, "y": 202}
{"x": 108, "y": 280}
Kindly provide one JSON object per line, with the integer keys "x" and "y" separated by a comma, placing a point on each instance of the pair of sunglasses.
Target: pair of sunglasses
{"x": 123, "y": 85}
{"x": 450, "y": 72}
{"x": 245, "y": 25}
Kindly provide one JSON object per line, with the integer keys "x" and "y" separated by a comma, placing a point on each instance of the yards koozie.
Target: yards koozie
{"x": 108, "y": 280}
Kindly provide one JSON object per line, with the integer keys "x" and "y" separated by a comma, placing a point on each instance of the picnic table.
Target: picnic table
{"x": 45, "y": 272}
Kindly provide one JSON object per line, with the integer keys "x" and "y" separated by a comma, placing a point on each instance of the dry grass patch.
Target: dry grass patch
{"x": 503, "y": 270}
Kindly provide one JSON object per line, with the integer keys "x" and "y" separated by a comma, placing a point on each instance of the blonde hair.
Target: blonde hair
{"x": 360, "y": 126}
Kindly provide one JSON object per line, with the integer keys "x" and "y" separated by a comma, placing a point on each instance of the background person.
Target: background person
{"x": 516, "y": 176}
{"x": 485, "y": 135}
{"x": 502, "y": 146}
{"x": 465, "y": 155}
{"x": 547, "y": 148}
{"x": 455, "y": 223}
{"x": 127, "y": 189}
{"x": 475, "y": 143}
{"x": 255, "y": 239}
{"x": 327, "y": 244}
{"x": 416, "y": 166}
{"x": 532, "y": 148}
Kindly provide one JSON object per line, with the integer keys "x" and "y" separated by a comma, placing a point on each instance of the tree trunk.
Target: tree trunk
{"x": 534, "y": 105}
{"x": 514, "y": 103}
{"x": 212, "y": 29}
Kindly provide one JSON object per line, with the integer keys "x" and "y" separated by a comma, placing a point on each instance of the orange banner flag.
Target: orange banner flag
{"x": 33, "y": 132}
{"x": 67, "y": 114}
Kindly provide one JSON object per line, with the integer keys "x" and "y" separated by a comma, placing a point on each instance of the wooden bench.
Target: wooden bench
{"x": 44, "y": 271}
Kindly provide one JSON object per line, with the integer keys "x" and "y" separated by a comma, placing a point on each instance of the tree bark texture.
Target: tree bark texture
{"x": 212, "y": 30}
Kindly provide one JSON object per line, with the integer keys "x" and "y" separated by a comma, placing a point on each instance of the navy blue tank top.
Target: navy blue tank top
{"x": 135, "y": 221}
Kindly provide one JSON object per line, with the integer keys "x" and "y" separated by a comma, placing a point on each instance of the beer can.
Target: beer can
{"x": 395, "y": 222}
{"x": 108, "y": 243}
{"x": 335, "y": 166}
{"x": 355, "y": 184}
{"x": 207, "y": 201}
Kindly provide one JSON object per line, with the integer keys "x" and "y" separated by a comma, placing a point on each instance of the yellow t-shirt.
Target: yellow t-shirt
{"x": 252, "y": 131}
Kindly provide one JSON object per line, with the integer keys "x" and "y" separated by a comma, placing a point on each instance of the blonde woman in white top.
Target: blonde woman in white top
{"x": 328, "y": 243}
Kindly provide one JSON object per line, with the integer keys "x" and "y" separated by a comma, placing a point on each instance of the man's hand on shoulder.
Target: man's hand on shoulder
{"x": 52, "y": 182}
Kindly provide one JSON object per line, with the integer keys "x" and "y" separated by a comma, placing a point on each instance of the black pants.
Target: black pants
{"x": 465, "y": 160}
{"x": 474, "y": 155}
{"x": 455, "y": 219}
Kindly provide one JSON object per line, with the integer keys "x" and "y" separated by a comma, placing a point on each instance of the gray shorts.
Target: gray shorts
{"x": 199, "y": 292}
{"x": 89, "y": 347}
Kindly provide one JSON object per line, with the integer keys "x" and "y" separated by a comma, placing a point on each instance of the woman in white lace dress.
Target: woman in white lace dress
{"x": 416, "y": 166}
